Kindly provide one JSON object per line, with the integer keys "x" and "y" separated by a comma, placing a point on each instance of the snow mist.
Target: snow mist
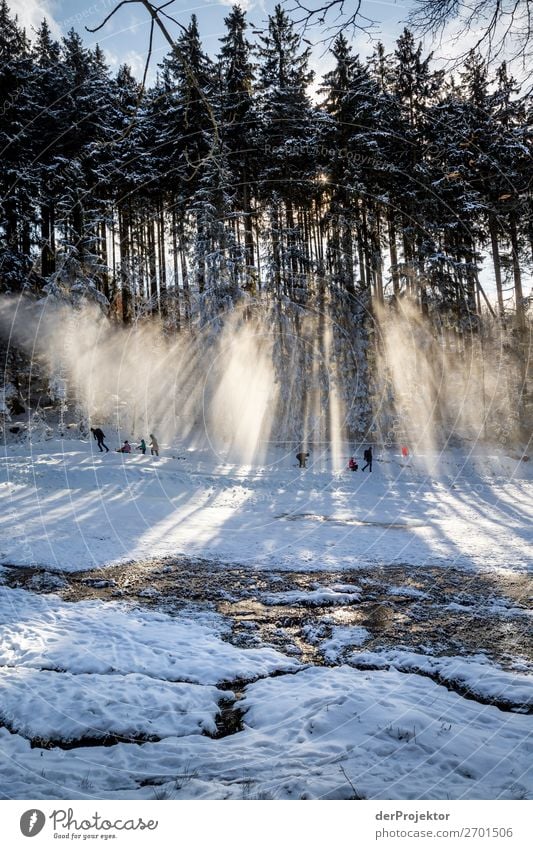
{"x": 438, "y": 387}
{"x": 258, "y": 376}
{"x": 238, "y": 385}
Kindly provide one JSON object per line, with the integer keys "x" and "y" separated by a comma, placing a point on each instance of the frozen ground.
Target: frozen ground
{"x": 179, "y": 628}
{"x": 72, "y": 508}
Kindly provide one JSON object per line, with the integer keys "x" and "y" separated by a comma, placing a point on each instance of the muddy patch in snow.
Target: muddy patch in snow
{"x": 319, "y": 617}
{"x": 338, "y": 520}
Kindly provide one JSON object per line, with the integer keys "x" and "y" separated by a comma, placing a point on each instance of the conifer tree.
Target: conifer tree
{"x": 237, "y": 129}
{"x": 17, "y": 185}
{"x": 287, "y": 140}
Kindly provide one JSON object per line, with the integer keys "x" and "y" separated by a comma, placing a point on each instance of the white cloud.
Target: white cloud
{"x": 30, "y": 14}
{"x": 136, "y": 23}
{"x": 245, "y": 5}
{"x": 135, "y": 60}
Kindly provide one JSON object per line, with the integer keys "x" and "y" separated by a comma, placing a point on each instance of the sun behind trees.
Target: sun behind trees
{"x": 225, "y": 184}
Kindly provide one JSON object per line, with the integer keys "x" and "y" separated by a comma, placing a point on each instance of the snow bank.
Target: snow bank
{"x": 395, "y": 736}
{"x": 342, "y": 637}
{"x": 111, "y": 639}
{"x": 60, "y": 706}
{"x": 474, "y": 676}
{"x": 322, "y": 596}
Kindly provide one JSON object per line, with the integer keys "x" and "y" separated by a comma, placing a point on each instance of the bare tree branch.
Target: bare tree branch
{"x": 148, "y": 55}
{"x": 155, "y": 12}
{"x": 170, "y": 17}
{"x": 108, "y": 17}
{"x": 504, "y": 27}
{"x": 307, "y": 15}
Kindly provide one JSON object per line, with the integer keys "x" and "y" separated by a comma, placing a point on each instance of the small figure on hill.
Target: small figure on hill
{"x": 142, "y": 446}
{"x": 126, "y": 448}
{"x": 368, "y": 459}
{"x": 302, "y": 458}
{"x": 352, "y": 464}
{"x": 405, "y": 451}
{"x": 154, "y": 446}
{"x": 99, "y": 435}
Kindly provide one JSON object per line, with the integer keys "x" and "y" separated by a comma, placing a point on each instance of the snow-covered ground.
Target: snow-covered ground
{"x": 281, "y": 680}
{"x": 69, "y": 507}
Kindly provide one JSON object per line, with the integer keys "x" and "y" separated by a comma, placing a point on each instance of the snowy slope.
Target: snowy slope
{"x": 69, "y": 508}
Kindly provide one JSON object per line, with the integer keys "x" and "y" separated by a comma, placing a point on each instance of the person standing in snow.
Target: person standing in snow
{"x": 142, "y": 446}
{"x": 302, "y": 457}
{"x": 154, "y": 446}
{"x": 368, "y": 459}
{"x": 99, "y": 435}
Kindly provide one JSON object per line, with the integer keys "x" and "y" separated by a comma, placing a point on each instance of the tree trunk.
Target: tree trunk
{"x": 393, "y": 254}
{"x": 125, "y": 261}
{"x": 360, "y": 247}
{"x": 276, "y": 252}
{"x": 377, "y": 258}
{"x": 102, "y": 240}
{"x": 152, "y": 267}
{"x": 291, "y": 248}
{"x": 493, "y": 228}
{"x": 519, "y": 297}
{"x": 184, "y": 274}
{"x": 175, "y": 289}
{"x": 200, "y": 253}
{"x": 250, "y": 274}
{"x": 162, "y": 258}
{"x": 47, "y": 254}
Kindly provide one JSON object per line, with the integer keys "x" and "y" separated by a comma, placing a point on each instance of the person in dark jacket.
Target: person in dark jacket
{"x": 142, "y": 446}
{"x": 99, "y": 435}
{"x": 368, "y": 459}
{"x": 302, "y": 457}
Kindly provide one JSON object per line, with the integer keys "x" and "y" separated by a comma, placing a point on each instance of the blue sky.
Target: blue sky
{"x": 125, "y": 37}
